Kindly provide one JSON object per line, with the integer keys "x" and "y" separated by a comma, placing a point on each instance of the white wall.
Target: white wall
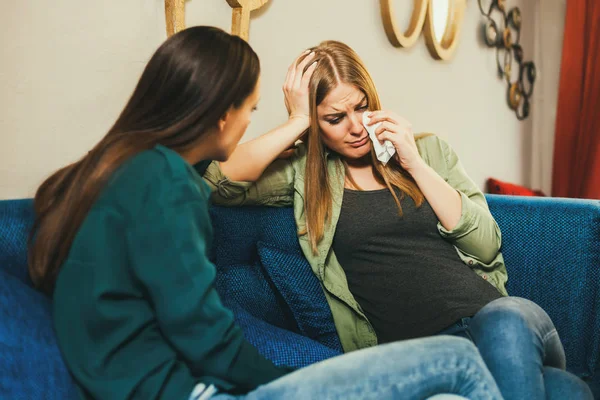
{"x": 548, "y": 41}
{"x": 69, "y": 66}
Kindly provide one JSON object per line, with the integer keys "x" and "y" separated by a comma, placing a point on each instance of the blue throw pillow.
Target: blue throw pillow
{"x": 292, "y": 275}
{"x": 30, "y": 361}
{"x": 247, "y": 285}
{"x": 282, "y": 347}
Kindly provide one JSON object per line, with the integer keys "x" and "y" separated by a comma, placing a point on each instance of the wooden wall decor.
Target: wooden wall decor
{"x": 504, "y": 36}
{"x": 240, "y": 20}
{"x": 175, "y": 14}
{"x": 422, "y": 20}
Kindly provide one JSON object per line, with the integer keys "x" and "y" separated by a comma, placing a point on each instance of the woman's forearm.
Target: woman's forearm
{"x": 250, "y": 159}
{"x": 443, "y": 198}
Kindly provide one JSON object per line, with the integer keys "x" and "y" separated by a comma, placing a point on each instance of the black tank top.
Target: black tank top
{"x": 409, "y": 281}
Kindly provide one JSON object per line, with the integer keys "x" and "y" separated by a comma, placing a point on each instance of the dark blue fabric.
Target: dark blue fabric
{"x": 16, "y": 218}
{"x": 239, "y": 272}
{"x": 292, "y": 275}
{"x": 31, "y": 366}
{"x": 246, "y": 284}
{"x": 551, "y": 248}
{"x": 240, "y": 228}
{"x": 552, "y": 251}
{"x": 281, "y": 346}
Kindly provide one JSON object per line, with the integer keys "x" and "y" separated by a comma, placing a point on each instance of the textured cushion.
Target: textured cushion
{"x": 16, "y": 218}
{"x": 551, "y": 247}
{"x": 279, "y": 345}
{"x": 552, "y": 252}
{"x": 293, "y": 277}
{"x": 240, "y": 275}
{"x": 240, "y": 228}
{"x": 246, "y": 284}
{"x": 30, "y": 362}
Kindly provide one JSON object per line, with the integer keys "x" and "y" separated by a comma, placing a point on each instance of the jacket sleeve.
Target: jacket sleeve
{"x": 168, "y": 253}
{"x": 274, "y": 188}
{"x": 477, "y": 234}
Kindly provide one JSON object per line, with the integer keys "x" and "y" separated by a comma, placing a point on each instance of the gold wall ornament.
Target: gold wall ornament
{"x": 240, "y": 20}
{"x": 175, "y": 14}
{"x": 422, "y": 19}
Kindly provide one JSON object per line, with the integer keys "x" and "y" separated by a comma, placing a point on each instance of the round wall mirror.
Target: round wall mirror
{"x": 442, "y": 16}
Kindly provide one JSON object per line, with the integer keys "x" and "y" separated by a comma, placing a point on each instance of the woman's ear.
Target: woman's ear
{"x": 223, "y": 121}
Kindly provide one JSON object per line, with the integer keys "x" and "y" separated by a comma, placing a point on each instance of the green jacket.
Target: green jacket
{"x": 476, "y": 238}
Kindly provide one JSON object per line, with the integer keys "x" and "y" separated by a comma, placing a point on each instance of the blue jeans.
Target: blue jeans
{"x": 520, "y": 346}
{"x": 413, "y": 369}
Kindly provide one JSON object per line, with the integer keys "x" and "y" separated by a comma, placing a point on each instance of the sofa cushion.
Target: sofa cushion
{"x": 281, "y": 346}
{"x": 30, "y": 361}
{"x": 292, "y": 275}
{"x": 16, "y": 219}
{"x": 247, "y": 285}
{"x": 237, "y": 229}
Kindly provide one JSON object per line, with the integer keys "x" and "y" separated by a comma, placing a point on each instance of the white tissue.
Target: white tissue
{"x": 385, "y": 150}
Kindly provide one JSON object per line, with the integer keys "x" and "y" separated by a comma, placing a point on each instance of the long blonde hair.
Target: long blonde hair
{"x": 338, "y": 63}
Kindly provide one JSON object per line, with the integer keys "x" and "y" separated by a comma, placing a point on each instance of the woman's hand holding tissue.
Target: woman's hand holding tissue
{"x": 399, "y": 132}
{"x": 443, "y": 198}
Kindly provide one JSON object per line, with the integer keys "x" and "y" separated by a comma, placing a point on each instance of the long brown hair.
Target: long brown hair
{"x": 191, "y": 81}
{"x": 338, "y": 63}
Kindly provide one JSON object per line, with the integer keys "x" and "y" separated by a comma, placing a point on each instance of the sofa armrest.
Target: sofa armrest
{"x": 552, "y": 251}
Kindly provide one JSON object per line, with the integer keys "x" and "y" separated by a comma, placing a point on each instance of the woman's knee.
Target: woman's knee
{"x": 513, "y": 315}
{"x": 517, "y": 306}
{"x": 513, "y": 326}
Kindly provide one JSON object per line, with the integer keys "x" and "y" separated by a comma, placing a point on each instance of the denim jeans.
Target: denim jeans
{"x": 520, "y": 346}
{"x": 413, "y": 369}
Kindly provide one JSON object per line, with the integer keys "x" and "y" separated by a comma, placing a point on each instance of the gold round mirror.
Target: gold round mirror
{"x": 398, "y": 36}
{"x": 442, "y": 15}
{"x": 442, "y": 27}
{"x": 441, "y": 20}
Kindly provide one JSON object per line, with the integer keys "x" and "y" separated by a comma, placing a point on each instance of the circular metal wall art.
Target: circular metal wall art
{"x": 504, "y": 35}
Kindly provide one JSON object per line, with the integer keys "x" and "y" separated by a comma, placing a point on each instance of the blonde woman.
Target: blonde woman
{"x": 404, "y": 249}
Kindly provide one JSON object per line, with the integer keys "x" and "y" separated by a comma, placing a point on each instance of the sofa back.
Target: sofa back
{"x": 552, "y": 251}
{"x": 551, "y": 247}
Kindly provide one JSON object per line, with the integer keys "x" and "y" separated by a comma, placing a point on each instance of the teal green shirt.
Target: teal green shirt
{"x": 135, "y": 309}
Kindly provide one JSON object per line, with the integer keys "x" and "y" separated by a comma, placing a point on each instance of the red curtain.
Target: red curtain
{"x": 576, "y": 169}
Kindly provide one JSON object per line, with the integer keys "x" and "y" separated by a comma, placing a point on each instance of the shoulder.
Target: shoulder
{"x": 151, "y": 180}
{"x": 298, "y": 160}
{"x": 434, "y": 150}
{"x": 432, "y": 145}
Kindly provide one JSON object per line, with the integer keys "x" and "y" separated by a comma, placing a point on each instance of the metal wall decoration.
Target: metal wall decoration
{"x": 505, "y": 37}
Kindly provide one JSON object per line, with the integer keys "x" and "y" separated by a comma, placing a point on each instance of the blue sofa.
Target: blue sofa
{"x": 551, "y": 247}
